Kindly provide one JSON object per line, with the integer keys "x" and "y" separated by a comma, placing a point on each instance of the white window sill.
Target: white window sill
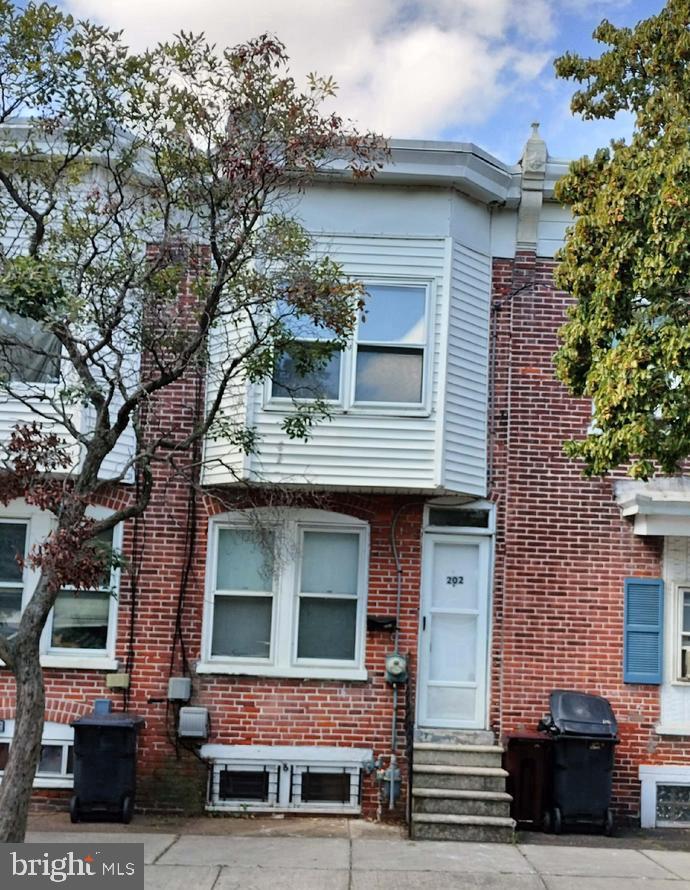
{"x": 383, "y": 410}
{"x": 296, "y": 673}
{"x": 45, "y": 782}
{"x": 80, "y": 662}
{"x": 672, "y": 729}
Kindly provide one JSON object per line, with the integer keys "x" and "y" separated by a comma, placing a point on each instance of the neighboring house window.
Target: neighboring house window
{"x": 683, "y": 659}
{"x": 13, "y": 540}
{"x": 386, "y": 365}
{"x": 56, "y": 764}
{"x": 288, "y": 596}
{"x": 82, "y": 623}
{"x": 81, "y": 619}
{"x": 27, "y": 353}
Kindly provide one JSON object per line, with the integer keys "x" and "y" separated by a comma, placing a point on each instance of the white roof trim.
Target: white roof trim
{"x": 658, "y": 507}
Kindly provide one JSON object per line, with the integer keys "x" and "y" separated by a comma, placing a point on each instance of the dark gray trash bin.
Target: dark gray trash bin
{"x": 584, "y": 732}
{"x": 105, "y": 767}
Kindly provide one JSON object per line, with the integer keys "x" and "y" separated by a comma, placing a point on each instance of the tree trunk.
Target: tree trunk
{"x": 18, "y": 779}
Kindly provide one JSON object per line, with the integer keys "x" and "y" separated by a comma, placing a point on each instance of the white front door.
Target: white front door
{"x": 454, "y": 631}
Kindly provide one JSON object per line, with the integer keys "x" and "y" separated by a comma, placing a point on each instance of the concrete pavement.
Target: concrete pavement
{"x": 333, "y": 854}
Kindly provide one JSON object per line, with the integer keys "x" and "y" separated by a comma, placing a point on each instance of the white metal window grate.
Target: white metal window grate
{"x": 323, "y": 786}
{"x": 241, "y": 785}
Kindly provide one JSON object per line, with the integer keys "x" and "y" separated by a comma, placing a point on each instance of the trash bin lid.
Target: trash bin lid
{"x": 118, "y": 720}
{"x": 578, "y": 713}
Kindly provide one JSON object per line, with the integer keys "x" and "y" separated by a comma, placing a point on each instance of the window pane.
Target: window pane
{"x": 386, "y": 374}
{"x": 302, "y": 326}
{"x": 51, "y": 759}
{"x": 292, "y": 381}
{"x": 673, "y": 803}
{"x": 4, "y": 754}
{"x": 70, "y": 760}
{"x": 327, "y": 628}
{"x": 10, "y": 610}
{"x": 393, "y": 314}
{"x": 103, "y": 545}
{"x": 329, "y": 563}
{"x": 80, "y": 620}
{"x": 245, "y": 560}
{"x": 686, "y": 612}
{"x": 237, "y": 784}
{"x": 12, "y": 544}
{"x": 27, "y": 352}
{"x": 331, "y": 787}
{"x": 242, "y": 626}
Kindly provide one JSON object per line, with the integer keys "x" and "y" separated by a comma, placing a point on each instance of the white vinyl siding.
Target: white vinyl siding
{"x": 467, "y": 371}
{"x": 365, "y": 447}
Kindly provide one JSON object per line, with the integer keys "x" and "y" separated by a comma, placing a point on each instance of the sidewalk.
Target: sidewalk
{"x": 339, "y": 854}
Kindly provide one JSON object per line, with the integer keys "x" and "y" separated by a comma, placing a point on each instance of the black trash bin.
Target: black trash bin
{"x": 584, "y": 732}
{"x": 105, "y": 762}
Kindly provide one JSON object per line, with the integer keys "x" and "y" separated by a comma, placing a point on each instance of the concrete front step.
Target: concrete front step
{"x": 454, "y": 736}
{"x": 468, "y": 778}
{"x": 432, "y": 826}
{"x": 461, "y": 803}
{"x": 458, "y": 755}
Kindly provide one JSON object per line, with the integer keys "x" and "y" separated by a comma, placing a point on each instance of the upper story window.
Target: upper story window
{"x": 82, "y": 624}
{"x": 287, "y": 598}
{"x": 385, "y": 368}
{"x": 684, "y": 633}
{"x": 28, "y": 354}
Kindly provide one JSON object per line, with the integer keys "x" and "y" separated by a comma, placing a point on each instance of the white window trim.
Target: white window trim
{"x": 650, "y": 777}
{"x": 285, "y": 758}
{"x": 39, "y": 525}
{"x": 53, "y": 734}
{"x": 282, "y": 660}
{"x": 346, "y": 403}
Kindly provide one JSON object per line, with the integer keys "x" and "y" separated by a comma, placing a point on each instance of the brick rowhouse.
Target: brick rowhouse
{"x": 563, "y": 550}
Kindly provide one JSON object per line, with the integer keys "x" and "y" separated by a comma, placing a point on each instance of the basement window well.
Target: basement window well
{"x": 256, "y": 778}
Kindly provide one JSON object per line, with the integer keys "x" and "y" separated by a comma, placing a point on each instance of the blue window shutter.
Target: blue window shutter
{"x": 644, "y": 630}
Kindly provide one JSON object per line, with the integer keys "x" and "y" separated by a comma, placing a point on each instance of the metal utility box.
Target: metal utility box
{"x": 584, "y": 732}
{"x": 105, "y": 751}
{"x": 527, "y": 760}
{"x": 193, "y": 723}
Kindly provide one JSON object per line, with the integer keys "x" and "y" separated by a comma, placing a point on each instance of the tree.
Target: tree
{"x": 626, "y": 260}
{"x": 144, "y": 220}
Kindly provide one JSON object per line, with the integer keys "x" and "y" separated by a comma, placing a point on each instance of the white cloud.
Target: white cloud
{"x": 403, "y": 68}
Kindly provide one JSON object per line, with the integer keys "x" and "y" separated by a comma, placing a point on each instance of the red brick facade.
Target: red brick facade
{"x": 562, "y": 553}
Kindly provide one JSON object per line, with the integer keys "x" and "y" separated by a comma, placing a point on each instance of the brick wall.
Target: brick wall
{"x": 563, "y": 550}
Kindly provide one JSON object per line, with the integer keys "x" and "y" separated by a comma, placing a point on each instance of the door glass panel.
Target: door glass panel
{"x": 451, "y": 703}
{"x": 456, "y": 576}
{"x": 245, "y": 560}
{"x": 453, "y": 648}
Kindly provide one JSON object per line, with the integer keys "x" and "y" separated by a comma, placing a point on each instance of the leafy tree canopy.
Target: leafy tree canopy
{"x": 626, "y": 260}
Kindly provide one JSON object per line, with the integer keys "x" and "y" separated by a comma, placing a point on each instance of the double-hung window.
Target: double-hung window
{"x": 82, "y": 621}
{"x": 56, "y": 762}
{"x": 81, "y": 627}
{"x": 387, "y": 365}
{"x": 287, "y": 596}
{"x": 13, "y": 545}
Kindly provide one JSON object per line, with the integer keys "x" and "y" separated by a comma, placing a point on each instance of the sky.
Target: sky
{"x": 462, "y": 70}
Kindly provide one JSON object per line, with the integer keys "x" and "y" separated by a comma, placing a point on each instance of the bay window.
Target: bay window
{"x": 286, "y": 598}
{"x": 384, "y": 368}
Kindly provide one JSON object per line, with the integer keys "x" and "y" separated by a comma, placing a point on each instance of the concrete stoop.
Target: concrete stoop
{"x": 458, "y": 790}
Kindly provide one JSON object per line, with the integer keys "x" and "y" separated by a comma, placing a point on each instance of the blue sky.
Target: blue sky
{"x": 467, "y": 70}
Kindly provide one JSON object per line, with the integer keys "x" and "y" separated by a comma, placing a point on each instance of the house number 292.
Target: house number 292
{"x": 454, "y": 580}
